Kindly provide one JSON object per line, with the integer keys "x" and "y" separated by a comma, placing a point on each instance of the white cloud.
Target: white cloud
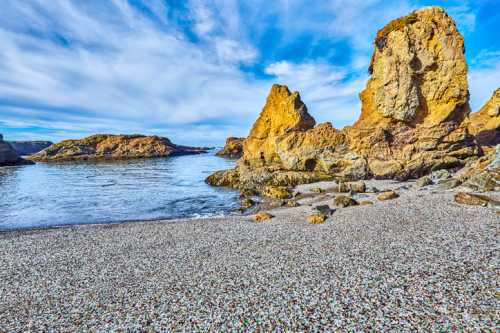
{"x": 331, "y": 93}
{"x": 484, "y": 78}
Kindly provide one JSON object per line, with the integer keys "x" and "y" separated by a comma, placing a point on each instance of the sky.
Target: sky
{"x": 198, "y": 71}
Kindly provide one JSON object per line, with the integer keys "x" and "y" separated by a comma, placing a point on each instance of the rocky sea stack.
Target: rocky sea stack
{"x": 8, "y": 156}
{"x": 414, "y": 117}
{"x": 113, "y": 147}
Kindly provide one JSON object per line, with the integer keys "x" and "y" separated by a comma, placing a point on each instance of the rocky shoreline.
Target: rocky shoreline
{"x": 420, "y": 261}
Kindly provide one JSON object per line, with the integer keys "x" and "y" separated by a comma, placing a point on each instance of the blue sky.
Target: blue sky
{"x": 199, "y": 71}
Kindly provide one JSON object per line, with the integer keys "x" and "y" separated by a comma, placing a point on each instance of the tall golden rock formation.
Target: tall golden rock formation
{"x": 283, "y": 113}
{"x": 416, "y": 102}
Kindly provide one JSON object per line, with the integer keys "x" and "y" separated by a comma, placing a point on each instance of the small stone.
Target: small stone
{"x": 472, "y": 199}
{"x": 316, "y": 218}
{"x": 388, "y": 195}
{"x": 317, "y": 190}
{"x": 324, "y": 209}
{"x": 366, "y": 202}
{"x": 292, "y": 203}
{"x": 358, "y": 187}
{"x": 345, "y": 201}
{"x": 247, "y": 203}
{"x": 424, "y": 181}
{"x": 263, "y": 216}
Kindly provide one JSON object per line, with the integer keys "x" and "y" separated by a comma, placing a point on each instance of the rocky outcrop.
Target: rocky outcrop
{"x": 413, "y": 121}
{"x": 415, "y": 104}
{"x": 25, "y": 148}
{"x": 485, "y": 124}
{"x": 113, "y": 147}
{"x": 232, "y": 149}
{"x": 482, "y": 174}
{"x": 283, "y": 113}
{"x": 8, "y": 156}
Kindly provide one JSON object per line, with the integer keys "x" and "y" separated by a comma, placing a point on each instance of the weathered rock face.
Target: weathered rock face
{"x": 485, "y": 124}
{"x": 8, "y": 156}
{"x": 415, "y": 105}
{"x": 414, "y": 116}
{"x": 233, "y": 148}
{"x": 283, "y": 113}
{"x": 25, "y": 148}
{"x": 111, "y": 147}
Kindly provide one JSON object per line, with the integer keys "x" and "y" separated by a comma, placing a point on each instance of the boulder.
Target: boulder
{"x": 10, "y": 157}
{"x": 277, "y": 192}
{"x": 416, "y": 102}
{"x": 247, "y": 203}
{"x": 472, "y": 199}
{"x": 25, "y": 148}
{"x": 113, "y": 147}
{"x": 232, "y": 149}
{"x": 388, "y": 195}
{"x": 345, "y": 201}
{"x": 262, "y": 216}
{"x": 485, "y": 124}
{"x": 316, "y": 218}
{"x": 424, "y": 181}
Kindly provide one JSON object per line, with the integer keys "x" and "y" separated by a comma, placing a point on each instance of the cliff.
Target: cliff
{"x": 113, "y": 147}
{"x": 8, "y": 156}
{"x": 25, "y": 148}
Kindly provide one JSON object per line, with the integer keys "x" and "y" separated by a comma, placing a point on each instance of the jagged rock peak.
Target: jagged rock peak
{"x": 418, "y": 71}
{"x": 283, "y": 113}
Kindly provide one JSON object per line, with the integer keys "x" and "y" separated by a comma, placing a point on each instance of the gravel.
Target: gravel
{"x": 420, "y": 262}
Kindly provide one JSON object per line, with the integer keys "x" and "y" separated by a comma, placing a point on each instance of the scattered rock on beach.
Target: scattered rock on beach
{"x": 277, "y": 192}
{"x": 317, "y": 218}
{"x": 292, "y": 203}
{"x": 472, "y": 199}
{"x": 345, "y": 201}
{"x": 262, "y": 216}
{"x": 388, "y": 195}
{"x": 317, "y": 190}
{"x": 365, "y": 202}
{"x": 424, "y": 181}
{"x": 324, "y": 209}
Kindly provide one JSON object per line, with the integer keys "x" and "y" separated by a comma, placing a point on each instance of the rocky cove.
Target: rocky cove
{"x": 389, "y": 224}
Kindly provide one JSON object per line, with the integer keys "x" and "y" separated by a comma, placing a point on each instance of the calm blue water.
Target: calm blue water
{"x": 52, "y": 194}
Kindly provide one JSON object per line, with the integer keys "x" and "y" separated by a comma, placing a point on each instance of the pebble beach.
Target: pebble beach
{"x": 420, "y": 262}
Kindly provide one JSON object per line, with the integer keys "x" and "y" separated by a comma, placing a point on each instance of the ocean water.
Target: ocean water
{"x": 53, "y": 194}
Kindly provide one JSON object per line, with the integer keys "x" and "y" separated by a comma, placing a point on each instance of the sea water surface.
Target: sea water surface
{"x": 53, "y": 194}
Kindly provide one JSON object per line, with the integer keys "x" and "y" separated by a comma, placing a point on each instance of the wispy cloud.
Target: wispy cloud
{"x": 197, "y": 70}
